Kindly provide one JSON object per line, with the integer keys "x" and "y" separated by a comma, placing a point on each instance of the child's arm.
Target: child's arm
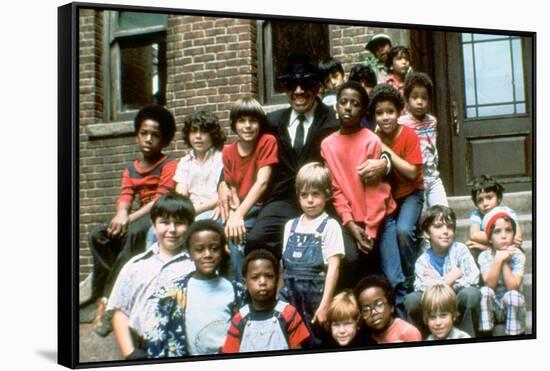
{"x": 425, "y": 275}
{"x": 464, "y": 263}
{"x": 453, "y": 275}
{"x": 223, "y": 204}
{"x": 121, "y": 330}
{"x": 119, "y": 224}
{"x": 182, "y": 188}
{"x": 511, "y": 281}
{"x": 409, "y": 171}
{"x": 199, "y": 209}
{"x": 363, "y": 242}
{"x": 478, "y": 236}
{"x": 330, "y": 286}
{"x": 234, "y": 227}
{"x": 490, "y": 277}
{"x": 141, "y": 211}
{"x": 372, "y": 170}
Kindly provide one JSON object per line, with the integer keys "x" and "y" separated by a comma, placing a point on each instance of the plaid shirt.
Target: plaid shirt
{"x": 458, "y": 255}
{"x": 427, "y": 134}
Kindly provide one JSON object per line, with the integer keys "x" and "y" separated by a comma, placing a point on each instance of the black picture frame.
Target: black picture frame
{"x": 68, "y": 165}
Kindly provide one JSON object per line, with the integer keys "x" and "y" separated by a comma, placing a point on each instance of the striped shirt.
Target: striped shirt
{"x": 427, "y": 133}
{"x": 147, "y": 183}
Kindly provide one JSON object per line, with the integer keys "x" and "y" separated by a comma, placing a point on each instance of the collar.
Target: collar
{"x": 155, "y": 251}
{"x": 308, "y": 115}
{"x": 322, "y": 216}
{"x": 192, "y": 155}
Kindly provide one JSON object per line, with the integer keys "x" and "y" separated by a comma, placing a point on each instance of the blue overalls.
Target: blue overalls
{"x": 304, "y": 275}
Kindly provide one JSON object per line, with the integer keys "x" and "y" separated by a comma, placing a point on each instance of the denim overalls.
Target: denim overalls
{"x": 304, "y": 274}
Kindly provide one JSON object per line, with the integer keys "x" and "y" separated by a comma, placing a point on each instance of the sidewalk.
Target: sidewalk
{"x": 94, "y": 348}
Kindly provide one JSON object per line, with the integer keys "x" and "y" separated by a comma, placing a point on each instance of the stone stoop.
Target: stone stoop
{"x": 521, "y": 203}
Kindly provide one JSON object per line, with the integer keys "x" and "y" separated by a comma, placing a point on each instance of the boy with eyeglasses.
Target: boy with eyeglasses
{"x": 376, "y": 300}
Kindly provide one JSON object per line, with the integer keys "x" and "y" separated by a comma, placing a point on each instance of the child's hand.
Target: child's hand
{"x": 235, "y": 229}
{"x": 372, "y": 170}
{"x": 517, "y": 242}
{"x": 119, "y": 224}
{"x": 320, "y": 316}
{"x": 476, "y": 245}
{"x": 364, "y": 244}
{"x": 224, "y": 202}
{"x": 453, "y": 275}
{"x": 504, "y": 255}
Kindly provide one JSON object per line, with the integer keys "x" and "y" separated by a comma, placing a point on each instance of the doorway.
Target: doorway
{"x": 483, "y": 89}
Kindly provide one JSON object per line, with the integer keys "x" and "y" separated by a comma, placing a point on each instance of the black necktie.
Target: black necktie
{"x": 299, "y": 139}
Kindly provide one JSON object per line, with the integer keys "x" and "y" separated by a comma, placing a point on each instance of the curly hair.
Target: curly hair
{"x": 385, "y": 92}
{"x": 165, "y": 119}
{"x": 397, "y": 51}
{"x": 260, "y": 254}
{"x": 206, "y": 122}
{"x": 418, "y": 79}
{"x": 376, "y": 281}
{"x": 210, "y": 225}
{"x": 354, "y": 85}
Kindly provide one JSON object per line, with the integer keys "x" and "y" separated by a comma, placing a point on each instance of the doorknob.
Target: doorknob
{"x": 456, "y": 122}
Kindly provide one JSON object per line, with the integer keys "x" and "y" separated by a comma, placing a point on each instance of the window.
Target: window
{"x": 493, "y": 75}
{"x": 276, "y": 40}
{"x": 135, "y": 61}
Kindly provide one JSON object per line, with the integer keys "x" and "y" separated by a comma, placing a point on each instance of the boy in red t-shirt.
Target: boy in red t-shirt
{"x": 148, "y": 178}
{"x": 247, "y": 166}
{"x": 406, "y": 178}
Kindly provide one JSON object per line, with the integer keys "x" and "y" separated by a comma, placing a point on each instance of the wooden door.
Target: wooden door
{"x": 486, "y": 108}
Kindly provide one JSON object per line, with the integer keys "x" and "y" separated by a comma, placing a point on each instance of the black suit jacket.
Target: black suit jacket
{"x": 284, "y": 174}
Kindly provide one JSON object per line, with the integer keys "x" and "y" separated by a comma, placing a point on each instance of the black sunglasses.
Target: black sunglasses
{"x": 306, "y": 84}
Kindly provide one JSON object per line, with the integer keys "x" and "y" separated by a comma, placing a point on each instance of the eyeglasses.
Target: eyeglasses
{"x": 379, "y": 306}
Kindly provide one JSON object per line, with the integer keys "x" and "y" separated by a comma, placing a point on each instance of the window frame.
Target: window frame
{"x": 112, "y": 108}
{"x": 267, "y": 94}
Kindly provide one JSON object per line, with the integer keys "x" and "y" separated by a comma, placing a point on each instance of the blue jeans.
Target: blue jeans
{"x": 434, "y": 193}
{"x": 390, "y": 262}
{"x": 237, "y": 249}
{"x": 409, "y": 209}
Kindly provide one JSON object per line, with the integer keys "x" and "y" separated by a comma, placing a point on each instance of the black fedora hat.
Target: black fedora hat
{"x": 299, "y": 69}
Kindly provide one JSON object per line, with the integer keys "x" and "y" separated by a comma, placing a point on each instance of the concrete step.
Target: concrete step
{"x": 520, "y": 202}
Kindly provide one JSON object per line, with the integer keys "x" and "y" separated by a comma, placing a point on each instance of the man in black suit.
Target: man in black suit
{"x": 299, "y": 143}
{"x": 299, "y": 130}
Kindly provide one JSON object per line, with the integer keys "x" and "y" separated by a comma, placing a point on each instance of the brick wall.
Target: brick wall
{"x": 348, "y": 42}
{"x": 211, "y": 62}
{"x": 92, "y": 173}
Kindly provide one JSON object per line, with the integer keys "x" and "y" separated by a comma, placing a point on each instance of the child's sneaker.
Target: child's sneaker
{"x": 103, "y": 319}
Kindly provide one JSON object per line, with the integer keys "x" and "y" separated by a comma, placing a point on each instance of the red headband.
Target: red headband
{"x": 493, "y": 220}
